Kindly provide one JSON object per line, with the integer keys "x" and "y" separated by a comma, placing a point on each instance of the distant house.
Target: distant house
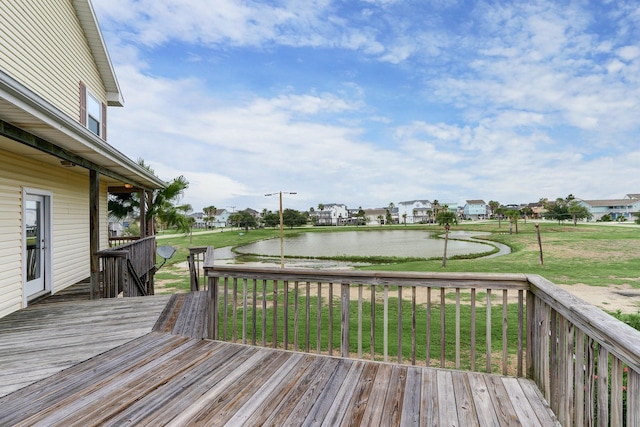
{"x": 416, "y": 211}
{"x": 616, "y": 208}
{"x": 220, "y": 219}
{"x": 333, "y": 214}
{"x": 198, "y": 220}
{"x": 475, "y": 210}
{"x": 375, "y": 216}
{"x": 56, "y": 84}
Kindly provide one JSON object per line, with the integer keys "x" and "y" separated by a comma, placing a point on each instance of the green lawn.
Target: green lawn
{"x": 596, "y": 255}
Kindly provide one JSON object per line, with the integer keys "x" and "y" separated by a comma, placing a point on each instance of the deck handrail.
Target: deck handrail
{"x": 561, "y": 338}
{"x": 128, "y": 268}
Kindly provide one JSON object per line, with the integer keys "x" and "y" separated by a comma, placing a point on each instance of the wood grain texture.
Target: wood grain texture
{"x": 160, "y": 371}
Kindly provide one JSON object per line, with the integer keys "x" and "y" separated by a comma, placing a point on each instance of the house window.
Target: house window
{"x": 93, "y": 113}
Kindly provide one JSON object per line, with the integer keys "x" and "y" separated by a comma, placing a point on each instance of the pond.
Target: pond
{"x": 386, "y": 243}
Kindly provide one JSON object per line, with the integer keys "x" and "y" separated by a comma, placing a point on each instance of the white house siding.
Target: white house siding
{"x": 70, "y": 224}
{"x": 45, "y": 49}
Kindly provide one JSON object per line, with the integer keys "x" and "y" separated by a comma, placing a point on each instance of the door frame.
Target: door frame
{"x": 47, "y": 207}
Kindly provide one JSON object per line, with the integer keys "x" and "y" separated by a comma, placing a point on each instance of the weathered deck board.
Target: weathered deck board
{"x": 162, "y": 379}
{"x": 92, "y": 367}
{"x": 46, "y": 338}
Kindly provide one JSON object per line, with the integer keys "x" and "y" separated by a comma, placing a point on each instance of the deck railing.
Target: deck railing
{"x": 128, "y": 268}
{"x": 115, "y": 241}
{"x": 585, "y": 363}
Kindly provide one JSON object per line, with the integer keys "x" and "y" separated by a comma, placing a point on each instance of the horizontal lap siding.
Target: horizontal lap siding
{"x": 10, "y": 243}
{"x": 70, "y": 228}
{"x": 43, "y": 47}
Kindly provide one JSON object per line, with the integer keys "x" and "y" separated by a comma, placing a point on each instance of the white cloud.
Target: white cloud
{"x": 514, "y": 102}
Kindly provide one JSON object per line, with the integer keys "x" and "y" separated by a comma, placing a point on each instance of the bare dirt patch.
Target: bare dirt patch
{"x": 610, "y": 298}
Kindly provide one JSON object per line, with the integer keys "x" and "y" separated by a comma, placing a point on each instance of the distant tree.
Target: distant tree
{"x": 436, "y": 208}
{"x": 243, "y": 219}
{"x": 493, "y": 205}
{"x": 388, "y": 217}
{"x": 380, "y": 220}
{"x": 558, "y": 209}
{"x": 271, "y": 219}
{"x": 578, "y": 211}
{"x": 209, "y": 214}
{"x": 513, "y": 215}
{"x": 404, "y": 219}
{"x": 446, "y": 218}
{"x": 362, "y": 216}
{"x": 637, "y": 215}
{"x": 429, "y": 214}
{"x": 293, "y": 218}
{"x": 606, "y": 218}
{"x": 526, "y": 212}
{"x": 320, "y": 207}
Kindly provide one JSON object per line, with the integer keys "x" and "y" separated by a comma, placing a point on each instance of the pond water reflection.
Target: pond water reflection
{"x": 389, "y": 243}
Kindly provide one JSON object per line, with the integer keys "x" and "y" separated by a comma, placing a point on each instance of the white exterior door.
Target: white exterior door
{"x": 35, "y": 238}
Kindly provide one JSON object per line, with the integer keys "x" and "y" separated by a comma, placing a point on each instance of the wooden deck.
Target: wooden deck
{"x": 170, "y": 376}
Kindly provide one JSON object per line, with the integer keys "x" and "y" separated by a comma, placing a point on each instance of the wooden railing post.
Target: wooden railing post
{"x": 345, "y": 317}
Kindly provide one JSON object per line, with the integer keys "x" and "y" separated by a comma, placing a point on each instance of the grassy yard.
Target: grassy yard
{"x": 595, "y": 255}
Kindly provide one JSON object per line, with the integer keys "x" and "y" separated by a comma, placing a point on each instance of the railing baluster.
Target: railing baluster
{"x": 579, "y": 385}
{"x": 330, "y": 332}
{"x": 345, "y": 314}
{"x": 296, "y": 314}
{"x": 308, "y": 318}
{"x": 590, "y": 384}
{"x": 372, "y": 344}
{"x": 264, "y": 312}
{"x": 443, "y": 337}
{"x": 285, "y": 340}
{"x": 457, "y": 328}
{"x": 254, "y": 317}
{"x": 428, "y": 337}
{"x": 319, "y": 320}
{"x": 520, "y": 331}
{"x": 413, "y": 325}
{"x": 633, "y": 395}
{"x": 616, "y": 392}
{"x": 245, "y": 306}
{"x": 603, "y": 386}
{"x": 385, "y": 327}
{"x": 400, "y": 324}
{"x": 274, "y": 329}
{"x": 488, "y": 332}
{"x": 225, "y": 308}
{"x": 234, "y": 309}
{"x": 505, "y": 331}
{"x": 473, "y": 330}
{"x": 360, "y": 321}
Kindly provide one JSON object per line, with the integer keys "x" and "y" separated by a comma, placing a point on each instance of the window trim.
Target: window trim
{"x": 85, "y": 115}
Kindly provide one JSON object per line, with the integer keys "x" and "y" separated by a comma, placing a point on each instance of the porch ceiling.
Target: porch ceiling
{"x": 32, "y": 114}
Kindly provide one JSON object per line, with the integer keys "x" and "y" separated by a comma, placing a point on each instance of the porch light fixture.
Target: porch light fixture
{"x": 127, "y": 185}
{"x": 67, "y": 163}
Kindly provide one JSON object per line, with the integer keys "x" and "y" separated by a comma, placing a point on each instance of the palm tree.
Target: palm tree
{"x": 161, "y": 205}
{"x": 513, "y": 215}
{"x": 493, "y": 205}
{"x": 436, "y": 208}
{"x": 446, "y": 218}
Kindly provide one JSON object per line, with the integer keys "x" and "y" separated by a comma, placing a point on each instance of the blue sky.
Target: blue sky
{"x": 366, "y": 102}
